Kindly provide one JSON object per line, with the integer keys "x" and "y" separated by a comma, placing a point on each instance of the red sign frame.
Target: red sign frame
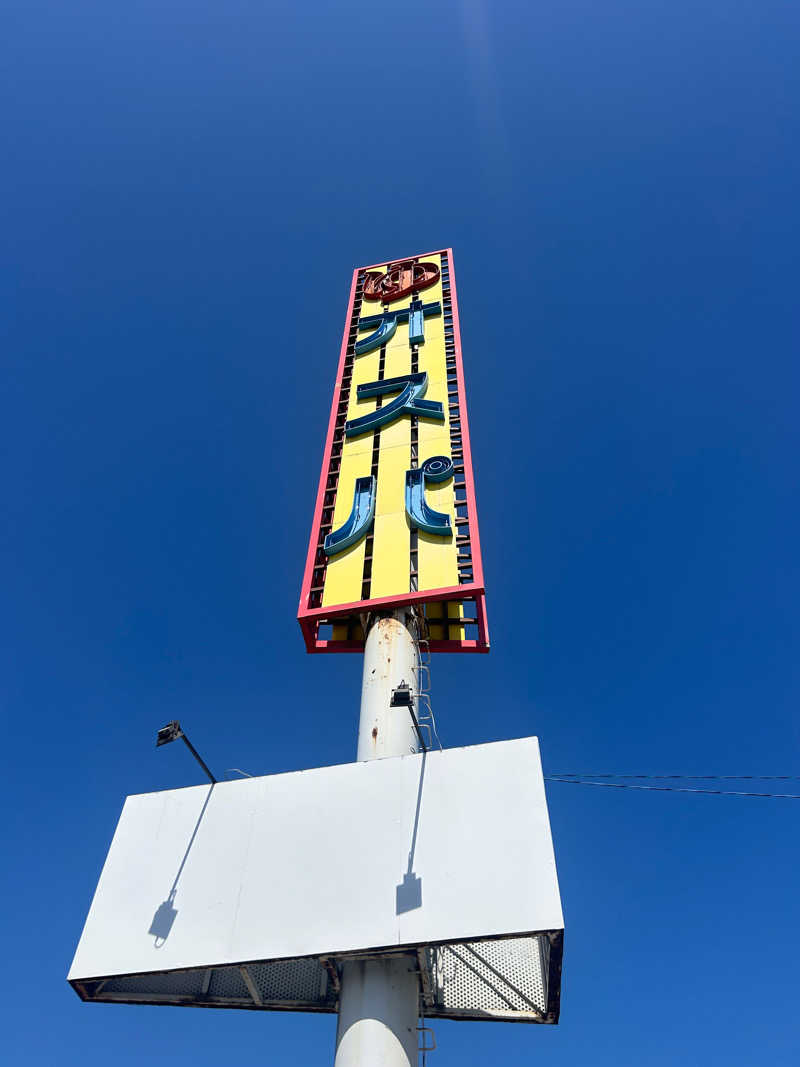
{"x": 311, "y": 615}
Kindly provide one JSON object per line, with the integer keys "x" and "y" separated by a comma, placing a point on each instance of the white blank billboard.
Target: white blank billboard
{"x": 418, "y": 850}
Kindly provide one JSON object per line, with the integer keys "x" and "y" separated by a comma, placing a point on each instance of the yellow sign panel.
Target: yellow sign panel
{"x": 395, "y": 515}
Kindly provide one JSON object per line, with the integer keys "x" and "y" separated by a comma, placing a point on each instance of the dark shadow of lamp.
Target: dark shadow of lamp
{"x": 163, "y": 919}
{"x": 166, "y": 912}
{"x": 408, "y": 895}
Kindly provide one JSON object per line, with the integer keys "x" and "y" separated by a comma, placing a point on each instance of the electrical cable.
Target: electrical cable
{"x": 688, "y": 777}
{"x": 671, "y": 788}
{"x": 570, "y": 778}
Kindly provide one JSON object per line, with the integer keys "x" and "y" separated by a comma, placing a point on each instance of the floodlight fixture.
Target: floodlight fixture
{"x": 171, "y": 732}
{"x": 402, "y": 697}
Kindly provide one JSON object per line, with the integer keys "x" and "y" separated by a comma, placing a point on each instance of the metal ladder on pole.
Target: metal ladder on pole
{"x": 425, "y": 716}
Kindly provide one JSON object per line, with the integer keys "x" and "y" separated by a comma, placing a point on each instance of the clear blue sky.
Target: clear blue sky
{"x": 185, "y": 190}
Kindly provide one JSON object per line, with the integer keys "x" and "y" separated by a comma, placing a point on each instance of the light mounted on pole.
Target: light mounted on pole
{"x": 402, "y": 697}
{"x": 171, "y": 732}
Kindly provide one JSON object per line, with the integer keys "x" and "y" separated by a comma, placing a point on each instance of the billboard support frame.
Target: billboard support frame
{"x": 379, "y": 998}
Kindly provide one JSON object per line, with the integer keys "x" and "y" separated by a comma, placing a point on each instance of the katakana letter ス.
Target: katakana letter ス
{"x": 411, "y": 387}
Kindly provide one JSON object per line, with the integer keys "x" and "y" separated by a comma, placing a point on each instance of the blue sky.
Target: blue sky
{"x": 185, "y": 191}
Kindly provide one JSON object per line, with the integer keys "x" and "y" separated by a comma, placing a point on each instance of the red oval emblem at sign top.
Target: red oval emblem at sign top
{"x": 401, "y": 279}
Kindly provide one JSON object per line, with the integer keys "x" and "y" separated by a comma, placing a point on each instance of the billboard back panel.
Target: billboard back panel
{"x": 440, "y": 849}
{"x": 395, "y": 521}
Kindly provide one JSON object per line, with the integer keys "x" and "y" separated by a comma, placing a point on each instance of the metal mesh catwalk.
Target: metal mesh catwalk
{"x": 506, "y": 979}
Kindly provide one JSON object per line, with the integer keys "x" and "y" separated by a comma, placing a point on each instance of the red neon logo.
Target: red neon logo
{"x": 399, "y": 280}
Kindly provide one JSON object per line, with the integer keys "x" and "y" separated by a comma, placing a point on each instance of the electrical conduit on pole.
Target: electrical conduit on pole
{"x": 379, "y": 998}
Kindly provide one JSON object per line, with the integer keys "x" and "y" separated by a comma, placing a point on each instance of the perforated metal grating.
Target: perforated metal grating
{"x": 290, "y": 983}
{"x": 490, "y": 977}
{"x": 175, "y": 983}
{"x": 510, "y": 979}
{"x": 298, "y": 980}
{"x": 227, "y": 982}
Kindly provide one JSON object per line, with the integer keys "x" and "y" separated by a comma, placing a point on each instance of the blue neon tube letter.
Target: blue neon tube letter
{"x": 420, "y": 514}
{"x": 359, "y": 520}
{"x": 412, "y": 388}
{"x": 386, "y": 325}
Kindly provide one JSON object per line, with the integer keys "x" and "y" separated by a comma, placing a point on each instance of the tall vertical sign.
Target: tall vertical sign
{"x": 395, "y": 520}
{"x": 402, "y": 887}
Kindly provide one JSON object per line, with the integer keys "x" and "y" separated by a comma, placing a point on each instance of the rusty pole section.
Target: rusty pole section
{"x": 390, "y": 658}
{"x": 379, "y": 999}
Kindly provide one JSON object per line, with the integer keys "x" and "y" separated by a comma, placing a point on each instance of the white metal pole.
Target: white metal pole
{"x": 379, "y": 999}
{"x": 390, "y": 658}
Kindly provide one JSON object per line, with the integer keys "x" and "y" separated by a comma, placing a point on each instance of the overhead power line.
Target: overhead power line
{"x": 670, "y": 788}
{"x": 687, "y": 777}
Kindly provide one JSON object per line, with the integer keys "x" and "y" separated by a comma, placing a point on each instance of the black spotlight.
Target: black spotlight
{"x": 171, "y": 732}
{"x": 401, "y": 698}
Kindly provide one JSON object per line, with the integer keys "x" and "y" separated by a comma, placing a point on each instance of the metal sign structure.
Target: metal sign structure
{"x": 412, "y": 882}
{"x": 237, "y": 895}
{"x": 395, "y": 521}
